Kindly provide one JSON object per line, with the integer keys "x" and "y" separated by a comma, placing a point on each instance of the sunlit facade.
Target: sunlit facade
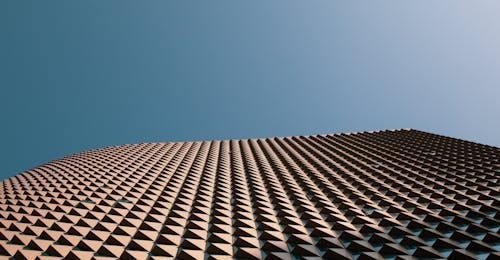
{"x": 369, "y": 195}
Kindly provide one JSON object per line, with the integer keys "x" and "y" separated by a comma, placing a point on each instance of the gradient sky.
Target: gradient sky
{"x": 79, "y": 75}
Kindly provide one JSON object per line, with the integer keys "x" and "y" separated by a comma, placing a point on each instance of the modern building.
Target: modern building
{"x": 371, "y": 195}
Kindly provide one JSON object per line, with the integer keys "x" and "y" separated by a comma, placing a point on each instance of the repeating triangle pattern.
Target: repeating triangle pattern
{"x": 396, "y": 194}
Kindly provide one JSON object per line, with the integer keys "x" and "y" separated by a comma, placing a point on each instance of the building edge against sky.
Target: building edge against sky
{"x": 305, "y": 135}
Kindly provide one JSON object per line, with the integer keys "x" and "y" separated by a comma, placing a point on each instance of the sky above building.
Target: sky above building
{"x": 82, "y": 75}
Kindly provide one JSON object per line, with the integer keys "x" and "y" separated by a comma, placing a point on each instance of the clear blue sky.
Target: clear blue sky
{"x": 79, "y": 75}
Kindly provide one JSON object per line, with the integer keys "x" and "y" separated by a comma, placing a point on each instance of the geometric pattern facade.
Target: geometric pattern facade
{"x": 397, "y": 194}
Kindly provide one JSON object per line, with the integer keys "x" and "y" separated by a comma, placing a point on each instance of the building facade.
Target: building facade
{"x": 392, "y": 194}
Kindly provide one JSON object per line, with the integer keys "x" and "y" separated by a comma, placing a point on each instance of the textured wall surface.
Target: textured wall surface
{"x": 365, "y": 195}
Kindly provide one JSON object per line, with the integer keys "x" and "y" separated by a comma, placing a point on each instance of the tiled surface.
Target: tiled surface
{"x": 388, "y": 194}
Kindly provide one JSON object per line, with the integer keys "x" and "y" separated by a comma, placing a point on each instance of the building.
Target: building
{"x": 371, "y": 195}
